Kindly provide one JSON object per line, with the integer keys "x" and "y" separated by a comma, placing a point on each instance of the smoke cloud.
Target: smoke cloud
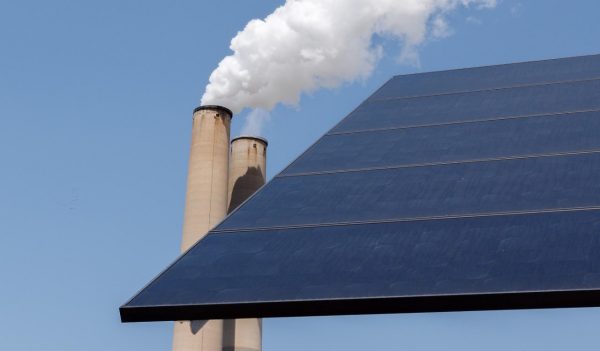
{"x": 310, "y": 44}
{"x": 255, "y": 121}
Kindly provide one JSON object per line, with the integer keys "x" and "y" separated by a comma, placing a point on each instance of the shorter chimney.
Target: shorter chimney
{"x": 247, "y": 171}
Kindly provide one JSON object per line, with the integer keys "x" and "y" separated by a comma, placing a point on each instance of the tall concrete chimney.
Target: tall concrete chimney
{"x": 247, "y": 173}
{"x": 205, "y": 206}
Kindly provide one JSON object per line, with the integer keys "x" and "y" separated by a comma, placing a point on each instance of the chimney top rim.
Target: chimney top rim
{"x": 252, "y": 137}
{"x": 215, "y": 108}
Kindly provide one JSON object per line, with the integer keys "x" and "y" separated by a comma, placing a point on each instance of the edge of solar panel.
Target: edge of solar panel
{"x": 339, "y": 307}
{"x": 549, "y": 298}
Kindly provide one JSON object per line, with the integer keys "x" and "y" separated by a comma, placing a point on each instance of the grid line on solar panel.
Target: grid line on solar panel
{"x": 483, "y": 90}
{"x": 561, "y": 113}
{"x": 414, "y": 165}
{"x": 547, "y": 99}
{"x": 507, "y": 185}
{"x": 563, "y": 69}
{"x": 218, "y": 231}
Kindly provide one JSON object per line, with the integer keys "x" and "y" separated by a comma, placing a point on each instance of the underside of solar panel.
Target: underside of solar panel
{"x": 469, "y": 189}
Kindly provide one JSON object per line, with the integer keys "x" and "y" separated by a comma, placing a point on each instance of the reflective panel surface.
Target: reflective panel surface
{"x": 468, "y": 189}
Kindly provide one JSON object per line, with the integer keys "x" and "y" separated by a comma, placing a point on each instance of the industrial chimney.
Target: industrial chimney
{"x": 247, "y": 173}
{"x": 205, "y": 206}
{"x": 246, "y": 168}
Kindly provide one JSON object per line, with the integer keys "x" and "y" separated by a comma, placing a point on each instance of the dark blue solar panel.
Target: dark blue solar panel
{"x": 509, "y": 185}
{"x": 491, "y": 77}
{"x": 464, "y": 200}
{"x": 555, "y": 98}
{"x": 489, "y": 254}
{"x": 455, "y": 142}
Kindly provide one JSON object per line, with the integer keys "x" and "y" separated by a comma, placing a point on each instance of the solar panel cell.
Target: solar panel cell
{"x": 490, "y": 77}
{"x": 552, "y": 251}
{"x": 483, "y": 105}
{"x": 451, "y": 189}
{"x": 456, "y": 142}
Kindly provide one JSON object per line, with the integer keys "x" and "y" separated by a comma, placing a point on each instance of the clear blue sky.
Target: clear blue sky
{"x": 95, "y": 114}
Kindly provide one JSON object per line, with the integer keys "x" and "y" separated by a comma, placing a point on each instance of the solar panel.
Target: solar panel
{"x": 469, "y": 189}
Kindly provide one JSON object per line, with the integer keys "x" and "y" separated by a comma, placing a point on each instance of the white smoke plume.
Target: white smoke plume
{"x": 310, "y": 44}
{"x": 255, "y": 121}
